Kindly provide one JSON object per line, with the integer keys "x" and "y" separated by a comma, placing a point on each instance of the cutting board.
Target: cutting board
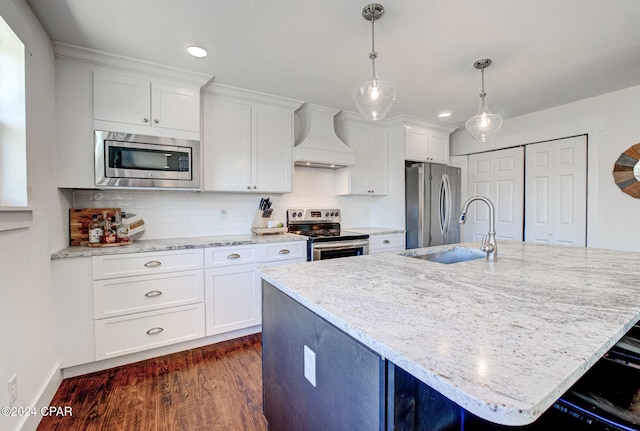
{"x": 79, "y": 219}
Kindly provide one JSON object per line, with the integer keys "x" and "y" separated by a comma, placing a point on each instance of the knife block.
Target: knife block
{"x": 259, "y": 225}
{"x": 261, "y": 218}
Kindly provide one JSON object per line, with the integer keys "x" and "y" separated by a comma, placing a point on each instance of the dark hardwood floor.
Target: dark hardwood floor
{"x": 216, "y": 387}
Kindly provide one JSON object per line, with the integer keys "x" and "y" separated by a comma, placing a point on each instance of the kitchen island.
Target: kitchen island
{"x": 503, "y": 340}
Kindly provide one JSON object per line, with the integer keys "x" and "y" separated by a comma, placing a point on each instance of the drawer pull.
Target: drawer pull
{"x": 155, "y": 330}
{"x": 153, "y": 293}
{"x": 233, "y": 256}
{"x": 386, "y": 241}
{"x": 284, "y": 251}
{"x": 153, "y": 263}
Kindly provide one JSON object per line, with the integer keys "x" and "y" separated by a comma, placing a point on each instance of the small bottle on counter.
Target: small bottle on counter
{"x": 95, "y": 230}
{"x": 122, "y": 230}
{"x": 104, "y": 221}
{"x": 109, "y": 235}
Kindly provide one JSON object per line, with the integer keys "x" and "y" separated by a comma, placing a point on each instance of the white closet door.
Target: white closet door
{"x": 556, "y": 197}
{"x": 498, "y": 175}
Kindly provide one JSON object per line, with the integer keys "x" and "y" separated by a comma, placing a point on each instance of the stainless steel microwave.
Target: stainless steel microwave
{"x": 141, "y": 161}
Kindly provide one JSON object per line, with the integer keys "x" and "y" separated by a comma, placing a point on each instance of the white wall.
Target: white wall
{"x": 27, "y": 345}
{"x": 612, "y": 124}
{"x": 174, "y": 214}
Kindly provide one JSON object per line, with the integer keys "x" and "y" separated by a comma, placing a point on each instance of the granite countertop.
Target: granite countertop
{"x": 148, "y": 245}
{"x": 502, "y": 339}
{"x": 374, "y": 230}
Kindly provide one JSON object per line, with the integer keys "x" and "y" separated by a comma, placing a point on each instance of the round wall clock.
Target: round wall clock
{"x": 626, "y": 171}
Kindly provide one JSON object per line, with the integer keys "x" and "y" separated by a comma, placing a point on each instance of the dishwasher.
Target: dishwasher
{"x": 607, "y": 397}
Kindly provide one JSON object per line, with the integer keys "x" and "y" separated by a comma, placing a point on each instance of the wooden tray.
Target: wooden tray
{"x": 268, "y": 230}
{"x": 111, "y": 244}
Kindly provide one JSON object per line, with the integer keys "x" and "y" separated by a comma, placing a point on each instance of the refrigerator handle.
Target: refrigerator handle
{"x": 421, "y": 187}
{"x": 445, "y": 205}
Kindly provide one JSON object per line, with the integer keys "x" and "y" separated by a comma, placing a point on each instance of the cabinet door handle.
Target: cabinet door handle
{"x": 153, "y": 263}
{"x": 386, "y": 241}
{"x": 284, "y": 251}
{"x": 248, "y": 187}
{"x": 155, "y": 330}
{"x": 153, "y": 293}
{"x": 146, "y": 120}
{"x": 233, "y": 256}
{"x": 156, "y": 121}
{"x": 254, "y": 187}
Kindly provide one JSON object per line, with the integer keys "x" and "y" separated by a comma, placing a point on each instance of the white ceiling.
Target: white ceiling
{"x": 545, "y": 52}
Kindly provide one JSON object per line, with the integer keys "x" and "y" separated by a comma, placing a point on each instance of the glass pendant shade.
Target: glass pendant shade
{"x": 374, "y": 98}
{"x": 485, "y": 124}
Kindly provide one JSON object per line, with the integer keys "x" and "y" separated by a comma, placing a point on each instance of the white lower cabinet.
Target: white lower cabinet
{"x": 233, "y": 298}
{"x": 73, "y": 307}
{"x": 114, "y": 305}
{"x": 283, "y": 253}
{"x": 142, "y": 331}
{"x": 233, "y": 289}
{"x": 119, "y": 296}
{"x": 386, "y": 243}
{"x": 139, "y": 312}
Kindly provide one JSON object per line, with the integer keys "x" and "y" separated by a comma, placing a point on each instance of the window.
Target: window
{"x": 13, "y": 136}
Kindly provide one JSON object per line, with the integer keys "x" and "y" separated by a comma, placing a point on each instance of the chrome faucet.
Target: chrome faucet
{"x": 489, "y": 244}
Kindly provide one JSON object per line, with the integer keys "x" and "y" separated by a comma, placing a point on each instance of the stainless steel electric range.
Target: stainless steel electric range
{"x": 325, "y": 238}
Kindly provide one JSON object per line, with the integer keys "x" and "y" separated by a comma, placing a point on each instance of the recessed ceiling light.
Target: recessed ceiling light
{"x": 197, "y": 51}
{"x": 444, "y": 115}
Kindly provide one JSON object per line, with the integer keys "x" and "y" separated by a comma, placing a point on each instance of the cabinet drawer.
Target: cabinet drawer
{"x": 124, "y": 265}
{"x": 122, "y": 335}
{"x": 237, "y": 255}
{"x": 120, "y": 296}
{"x": 386, "y": 242}
{"x": 293, "y": 250}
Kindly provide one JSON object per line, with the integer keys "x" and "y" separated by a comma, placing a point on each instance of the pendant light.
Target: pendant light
{"x": 485, "y": 124}
{"x": 374, "y": 98}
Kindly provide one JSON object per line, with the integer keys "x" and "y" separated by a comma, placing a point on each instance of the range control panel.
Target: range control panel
{"x": 314, "y": 215}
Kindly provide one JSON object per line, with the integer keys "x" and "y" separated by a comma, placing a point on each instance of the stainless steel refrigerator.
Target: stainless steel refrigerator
{"x": 432, "y": 196}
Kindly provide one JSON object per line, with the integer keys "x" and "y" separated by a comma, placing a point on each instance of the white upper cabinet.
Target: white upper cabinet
{"x": 98, "y": 91}
{"x": 226, "y": 145}
{"x": 370, "y": 175}
{"x": 426, "y": 144}
{"x": 247, "y": 141}
{"x": 129, "y": 99}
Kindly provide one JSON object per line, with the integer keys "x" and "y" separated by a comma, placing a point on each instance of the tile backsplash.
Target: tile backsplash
{"x": 175, "y": 214}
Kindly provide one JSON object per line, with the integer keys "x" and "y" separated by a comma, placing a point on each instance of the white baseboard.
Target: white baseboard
{"x": 47, "y": 393}
{"x": 105, "y": 364}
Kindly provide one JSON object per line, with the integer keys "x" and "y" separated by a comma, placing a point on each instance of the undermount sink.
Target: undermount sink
{"x": 454, "y": 255}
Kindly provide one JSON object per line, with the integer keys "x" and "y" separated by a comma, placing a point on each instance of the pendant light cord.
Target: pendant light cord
{"x": 483, "y": 94}
{"x": 373, "y": 54}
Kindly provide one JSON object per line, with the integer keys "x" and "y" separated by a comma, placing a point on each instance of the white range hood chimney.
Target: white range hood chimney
{"x": 318, "y": 145}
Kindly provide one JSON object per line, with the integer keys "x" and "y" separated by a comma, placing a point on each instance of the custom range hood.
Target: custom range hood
{"x": 318, "y": 146}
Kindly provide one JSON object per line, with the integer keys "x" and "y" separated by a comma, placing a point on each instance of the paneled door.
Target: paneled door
{"x": 556, "y": 192}
{"x": 498, "y": 175}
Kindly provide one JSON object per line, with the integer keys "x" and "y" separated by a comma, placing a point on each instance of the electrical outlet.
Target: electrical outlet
{"x": 13, "y": 389}
{"x": 222, "y": 215}
{"x": 310, "y": 365}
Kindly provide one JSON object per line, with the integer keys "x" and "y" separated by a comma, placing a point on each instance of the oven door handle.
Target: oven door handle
{"x": 340, "y": 246}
